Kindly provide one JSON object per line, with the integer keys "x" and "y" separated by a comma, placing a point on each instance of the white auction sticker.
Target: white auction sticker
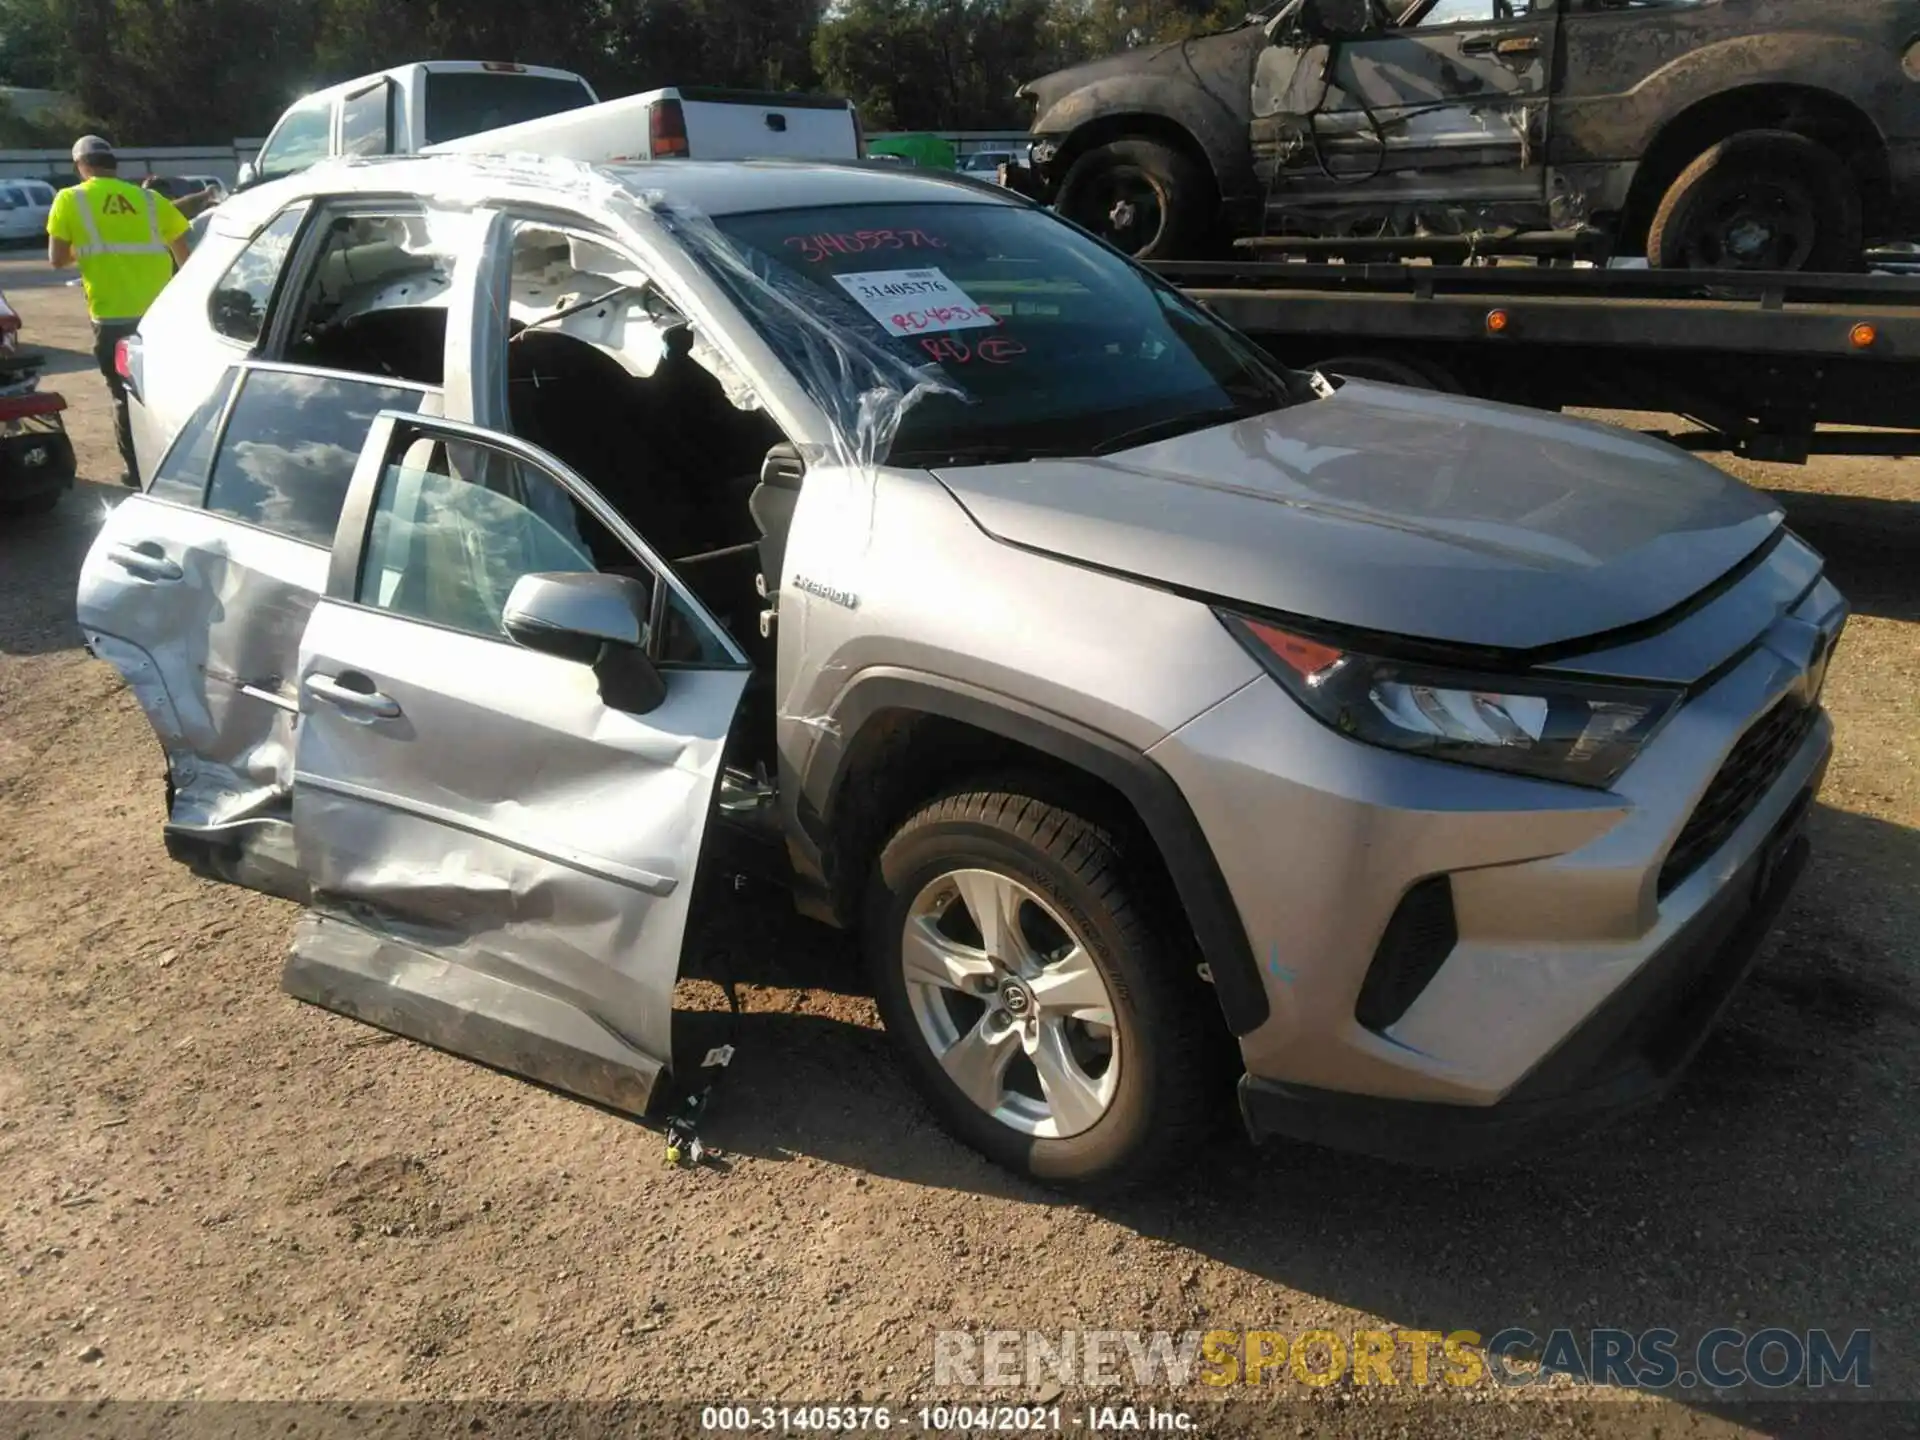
{"x": 915, "y": 302}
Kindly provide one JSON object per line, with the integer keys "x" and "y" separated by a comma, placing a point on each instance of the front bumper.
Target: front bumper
{"x": 1627, "y": 1055}
{"x": 1562, "y": 907}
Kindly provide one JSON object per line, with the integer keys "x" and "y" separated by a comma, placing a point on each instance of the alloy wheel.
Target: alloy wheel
{"x": 1010, "y": 1002}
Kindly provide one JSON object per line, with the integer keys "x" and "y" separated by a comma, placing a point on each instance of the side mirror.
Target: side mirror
{"x": 246, "y": 175}
{"x": 596, "y": 620}
{"x": 1338, "y": 19}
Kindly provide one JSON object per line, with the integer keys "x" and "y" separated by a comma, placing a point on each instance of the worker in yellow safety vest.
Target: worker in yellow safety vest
{"x": 128, "y": 242}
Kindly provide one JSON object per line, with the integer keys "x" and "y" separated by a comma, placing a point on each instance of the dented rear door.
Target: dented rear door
{"x": 198, "y": 591}
{"x": 501, "y": 862}
{"x": 1440, "y": 121}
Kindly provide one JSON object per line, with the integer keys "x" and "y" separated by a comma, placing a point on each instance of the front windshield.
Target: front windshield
{"x": 1059, "y": 345}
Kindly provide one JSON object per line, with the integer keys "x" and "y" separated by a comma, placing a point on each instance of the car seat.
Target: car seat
{"x": 772, "y": 504}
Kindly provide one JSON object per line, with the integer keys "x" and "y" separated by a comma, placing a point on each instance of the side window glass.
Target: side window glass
{"x": 290, "y": 448}
{"x": 238, "y": 309}
{"x": 374, "y": 301}
{"x": 366, "y": 121}
{"x": 1479, "y": 12}
{"x": 457, "y": 524}
{"x": 182, "y": 476}
{"x": 300, "y": 141}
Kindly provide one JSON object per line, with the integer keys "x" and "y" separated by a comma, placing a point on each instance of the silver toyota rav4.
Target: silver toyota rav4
{"x": 525, "y": 544}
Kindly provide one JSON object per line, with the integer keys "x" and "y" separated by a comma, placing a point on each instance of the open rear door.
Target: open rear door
{"x": 501, "y": 850}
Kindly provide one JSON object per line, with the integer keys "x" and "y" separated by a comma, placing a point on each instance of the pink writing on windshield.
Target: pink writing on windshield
{"x": 816, "y": 248}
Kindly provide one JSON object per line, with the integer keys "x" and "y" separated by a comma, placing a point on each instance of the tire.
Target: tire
{"x": 1167, "y": 1040}
{"x": 1762, "y": 200}
{"x": 1171, "y": 193}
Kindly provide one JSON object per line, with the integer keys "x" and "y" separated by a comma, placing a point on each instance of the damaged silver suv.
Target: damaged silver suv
{"x": 525, "y": 543}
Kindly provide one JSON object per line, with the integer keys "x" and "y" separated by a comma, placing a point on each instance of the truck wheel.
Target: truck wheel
{"x": 1040, "y": 1012}
{"x": 1141, "y": 196}
{"x": 1762, "y": 200}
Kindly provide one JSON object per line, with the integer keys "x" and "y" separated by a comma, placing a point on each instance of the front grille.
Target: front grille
{"x": 1750, "y": 772}
{"x": 1420, "y": 936}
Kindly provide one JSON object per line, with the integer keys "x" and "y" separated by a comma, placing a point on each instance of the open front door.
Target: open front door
{"x": 1437, "y": 121}
{"x": 502, "y": 840}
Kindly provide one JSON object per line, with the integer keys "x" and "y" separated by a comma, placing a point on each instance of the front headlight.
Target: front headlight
{"x": 1582, "y": 732}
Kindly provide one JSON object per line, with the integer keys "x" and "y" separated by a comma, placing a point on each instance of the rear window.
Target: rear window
{"x": 465, "y": 102}
{"x": 1059, "y": 345}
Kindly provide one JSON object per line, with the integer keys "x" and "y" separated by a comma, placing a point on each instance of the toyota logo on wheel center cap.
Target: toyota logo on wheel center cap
{"x": 1017, "y": 1000}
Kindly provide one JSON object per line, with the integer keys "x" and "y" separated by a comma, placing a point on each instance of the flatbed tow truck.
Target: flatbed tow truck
{"x": 1774, "y": 367}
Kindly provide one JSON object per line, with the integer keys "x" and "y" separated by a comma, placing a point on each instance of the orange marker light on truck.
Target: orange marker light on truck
{"x": 1865, "y": 337}
{"x": 1498, "y": 322}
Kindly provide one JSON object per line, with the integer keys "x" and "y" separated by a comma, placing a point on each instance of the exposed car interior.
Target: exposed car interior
{"x": 620, "y": 391}
{"x": 605, "y": 375}
{"x": 376, "y": 300}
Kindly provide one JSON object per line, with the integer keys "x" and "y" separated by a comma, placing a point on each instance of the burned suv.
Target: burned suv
{"x": 1743, "y": 134}
{"x": 530, "y": 544}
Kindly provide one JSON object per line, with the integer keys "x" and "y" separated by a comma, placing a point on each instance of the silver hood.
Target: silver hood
{"x": 1396, "y": 510}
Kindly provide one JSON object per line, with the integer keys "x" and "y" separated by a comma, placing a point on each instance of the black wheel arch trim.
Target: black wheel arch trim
{"x": 1158, "y": 801}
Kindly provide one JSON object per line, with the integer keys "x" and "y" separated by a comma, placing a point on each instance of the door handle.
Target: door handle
{"x": 146, "y": 560}
{"x": 1500, "y": 45}
{"x": 369, "y": 702}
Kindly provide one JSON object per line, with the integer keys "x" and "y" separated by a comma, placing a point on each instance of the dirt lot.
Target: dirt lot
{"x": 213, "y": 1191}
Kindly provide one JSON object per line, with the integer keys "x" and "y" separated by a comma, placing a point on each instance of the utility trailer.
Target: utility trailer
{"x": 1770, "y": 366}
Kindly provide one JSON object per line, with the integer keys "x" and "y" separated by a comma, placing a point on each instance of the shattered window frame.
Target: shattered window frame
{"x": 1423, "y": 16}
{"x": 421, "y": 214}
{"x": 657, "y": 295}
{"x": 291, "y": 221}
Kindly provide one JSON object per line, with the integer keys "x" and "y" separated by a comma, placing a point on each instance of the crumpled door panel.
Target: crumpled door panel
{"x": 203, "y": 617}
{"x": 501, "y": 864}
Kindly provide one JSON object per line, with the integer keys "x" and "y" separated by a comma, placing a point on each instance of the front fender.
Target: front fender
{"x": 1155, "y": 798}
{"x": 1205, "y": 91}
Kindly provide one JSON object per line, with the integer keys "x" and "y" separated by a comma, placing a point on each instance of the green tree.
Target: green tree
{"x": 36, "y": 49}
{"x": 939, "y": 64}
{"x": 645, "y": 44}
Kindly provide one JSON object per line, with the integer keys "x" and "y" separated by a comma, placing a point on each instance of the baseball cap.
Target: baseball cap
{"x": 91, "y": 147}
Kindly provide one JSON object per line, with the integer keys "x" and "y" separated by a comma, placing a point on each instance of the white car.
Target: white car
{"x": 23, "y": 209}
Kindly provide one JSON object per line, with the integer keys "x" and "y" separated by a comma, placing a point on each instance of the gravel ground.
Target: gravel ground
{"x": 215, "y": 1192}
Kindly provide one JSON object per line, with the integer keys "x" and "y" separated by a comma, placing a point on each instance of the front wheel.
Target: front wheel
{"x": 1047, "y": 1022}
{"x": 1761, "y": 200}
{"x": 1141, "y": 196}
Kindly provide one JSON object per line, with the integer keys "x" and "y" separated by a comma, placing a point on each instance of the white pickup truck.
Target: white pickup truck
{"x": 502, "y": 108}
